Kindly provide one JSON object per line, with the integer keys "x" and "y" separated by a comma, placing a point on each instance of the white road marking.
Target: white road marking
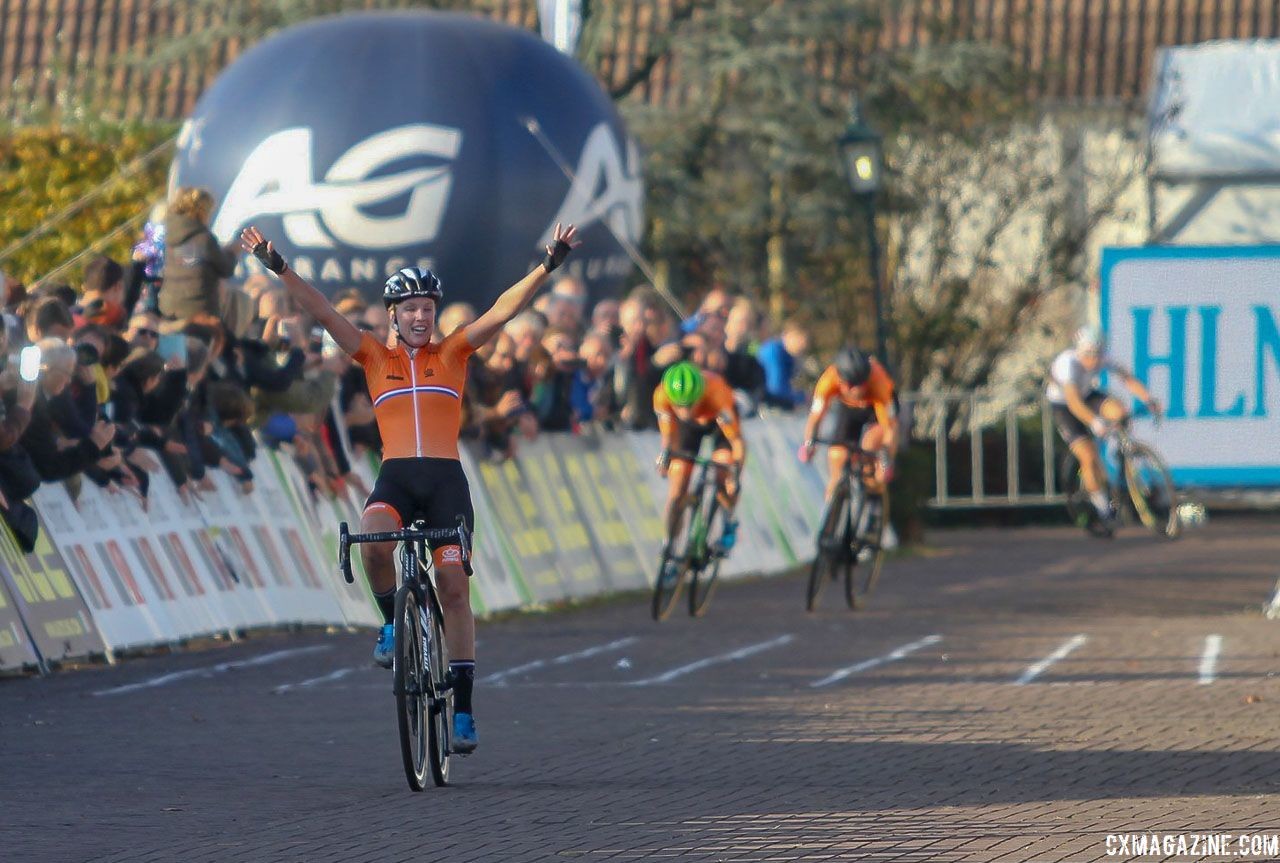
{"x": 499, "y": 677}
{"x": 740, "y": 653}
{"x": 313, "y": 681}
{"x": 893, "y": 656}
{"x": 209, "y": 671}
{"x": 1209, "y": 659}
{"x": 1065, "y": 648}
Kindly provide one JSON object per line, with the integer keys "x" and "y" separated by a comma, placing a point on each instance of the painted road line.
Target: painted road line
{"x": 315, "y": 681}
{"x": 893, "y": 656}
{"x": 209, "y": 671}
{"x": 1065, "y": 648}
{"x": 1209, "y": 659}
{"x": 500, "y": 677}
{"x": 740, "y": 653}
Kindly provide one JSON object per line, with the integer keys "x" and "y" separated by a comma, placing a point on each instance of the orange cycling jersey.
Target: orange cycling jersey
{"x": 417, "y": 395}
{"x": 876, "y": 393}
{"x": 715, "y": 406}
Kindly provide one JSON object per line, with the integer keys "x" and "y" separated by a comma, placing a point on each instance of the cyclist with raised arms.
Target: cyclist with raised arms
{"x": 417, "y": 389}
{"x": 1082, "y": 409}
{"x": 862, "y": 393}
{"x": 690, "y": 405}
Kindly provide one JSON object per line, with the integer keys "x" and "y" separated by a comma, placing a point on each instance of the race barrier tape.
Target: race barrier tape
{"x": 570, "y": 517}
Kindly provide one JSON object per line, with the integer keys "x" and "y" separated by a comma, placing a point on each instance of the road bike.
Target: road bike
{"x": 420, "y": 668}
{"x": 851, "y": 537}
{"x": 1140, "y": 485}
{"x": 694, "y": 552}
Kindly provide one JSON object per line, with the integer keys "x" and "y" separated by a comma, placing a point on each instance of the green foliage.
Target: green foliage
{"x": 45, "y": 169}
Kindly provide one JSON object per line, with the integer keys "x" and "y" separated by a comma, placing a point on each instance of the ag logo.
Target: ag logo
{"x": 621, "y": 190}
{"x": 277, "y": 179}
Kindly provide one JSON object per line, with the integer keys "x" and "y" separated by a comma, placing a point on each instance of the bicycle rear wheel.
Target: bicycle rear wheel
{"x": 704, "y": 572}
{"x": 832, "y": 545}
{"x": 1151, "y": 489}
{"x": 860, "y": 581}
{"x": 409, "y": 672}
{"x": 673, "y": 565}
{"x": 440, "y": 700}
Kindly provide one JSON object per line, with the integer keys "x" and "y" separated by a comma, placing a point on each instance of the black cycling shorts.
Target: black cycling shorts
{"x": 850, "y": 423}
{"x": 432, "y": 489}
{"x": 1069, "y": 425}
{"x": 689, "y": 437}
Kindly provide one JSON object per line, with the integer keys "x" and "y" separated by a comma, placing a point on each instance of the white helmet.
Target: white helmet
{"x": 1089, "y": 340}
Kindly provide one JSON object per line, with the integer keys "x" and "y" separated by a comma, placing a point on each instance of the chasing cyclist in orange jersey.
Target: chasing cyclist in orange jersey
{"x": 690, "y": 405}
{"x": 861, "y": 392}
{"x": 417, "y": 387}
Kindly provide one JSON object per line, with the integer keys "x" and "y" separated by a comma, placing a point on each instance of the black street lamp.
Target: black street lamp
{"x": 862, "y": 153}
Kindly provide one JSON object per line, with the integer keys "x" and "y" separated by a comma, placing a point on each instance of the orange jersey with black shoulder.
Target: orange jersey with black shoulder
{"x": 876, "y": 393}
{"x": 715, "y": 407}
{"x": 417, "y": 394}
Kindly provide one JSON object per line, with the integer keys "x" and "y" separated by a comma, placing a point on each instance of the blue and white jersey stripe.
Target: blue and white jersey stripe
{"x": 405, "y": 391}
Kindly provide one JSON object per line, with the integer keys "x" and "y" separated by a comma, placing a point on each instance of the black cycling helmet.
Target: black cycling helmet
{"x": 412, "y": 282}
{"x": 853, "y": 366}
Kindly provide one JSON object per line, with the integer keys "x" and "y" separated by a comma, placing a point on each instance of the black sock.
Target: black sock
{"x": 386, "y": 604}
{"x": 463, "y": 672}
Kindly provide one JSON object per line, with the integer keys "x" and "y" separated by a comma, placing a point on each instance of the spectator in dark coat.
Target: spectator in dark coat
{"x": 195, "y": 264}
{"x": 54, "y": 453}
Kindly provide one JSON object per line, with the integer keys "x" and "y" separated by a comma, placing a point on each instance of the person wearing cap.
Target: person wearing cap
{"x": 1083, "y": 411}
{"x": 417, "y": 389}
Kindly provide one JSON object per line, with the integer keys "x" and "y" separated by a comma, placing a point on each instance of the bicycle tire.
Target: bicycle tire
{"x": 704, "y": 574}
{"x": 827, "y": 551}
{"x": 665, "y": 591}
{"x": 858, "y": 588}
{"x": 1155, "y": 501}
{"x": 408, "y": 672}
{"x": 440, "y": 704}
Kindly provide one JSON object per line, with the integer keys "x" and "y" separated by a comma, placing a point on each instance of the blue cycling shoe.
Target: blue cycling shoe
{"x": 385, "y": 650}
{"x": 465, "y": 740}
{"x": 730, "y": 536}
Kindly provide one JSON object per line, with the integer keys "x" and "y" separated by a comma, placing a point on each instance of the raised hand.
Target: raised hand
{"x": 262, "y": 249}
{"x": 563, "y": 241}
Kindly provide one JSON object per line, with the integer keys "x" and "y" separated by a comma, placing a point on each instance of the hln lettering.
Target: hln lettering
{"x": 1182, "y": 324}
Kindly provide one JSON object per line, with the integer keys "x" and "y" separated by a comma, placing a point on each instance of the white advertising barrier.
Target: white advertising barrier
{"x": 496, "y": 583}
{"x": 788, "y": 492}
{"x": 218, "y": 511}
{"x": 1200, "y": 326}
{"x": 297, "y": 582}
{"x": 127, "y": 609}
{"x": 315, "y": 538}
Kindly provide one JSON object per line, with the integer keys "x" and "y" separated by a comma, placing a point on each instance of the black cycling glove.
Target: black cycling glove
{"x": 556, "y": 256}
{"x": 270, "y": 258}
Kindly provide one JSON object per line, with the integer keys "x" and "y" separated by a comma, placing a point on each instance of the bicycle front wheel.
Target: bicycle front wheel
{"x": 410, "y": 677}
{"x": 673, "y": 565}
{"x": 1151, "y": 491}
{"x": 869, "y": 527}
{"x": 832, "y": 547}
{"x": 705, "y": 570}
{"x": 440, "y": 694}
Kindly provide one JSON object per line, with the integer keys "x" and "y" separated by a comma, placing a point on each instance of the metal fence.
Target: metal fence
{"x": 972, "y": 467}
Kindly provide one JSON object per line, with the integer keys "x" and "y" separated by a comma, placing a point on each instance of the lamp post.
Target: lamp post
{"x": 861, "y": 152}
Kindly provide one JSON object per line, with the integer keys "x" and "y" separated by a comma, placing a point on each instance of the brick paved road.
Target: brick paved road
{"x": 284, "y": 748}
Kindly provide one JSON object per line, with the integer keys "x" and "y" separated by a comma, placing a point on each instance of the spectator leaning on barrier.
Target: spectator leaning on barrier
{"x": 592, "y": 397}
{"x": 18, "y": 476}
{"x": 55, "y": 454}
{"x": 195, "y": 263}
{"x": 780, "y": 358}
{"x": 552, "y": 397}
{"x": 604, "y": 323}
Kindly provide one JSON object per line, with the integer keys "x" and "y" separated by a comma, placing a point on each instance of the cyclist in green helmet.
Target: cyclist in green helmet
{"x": 691, "y": 404}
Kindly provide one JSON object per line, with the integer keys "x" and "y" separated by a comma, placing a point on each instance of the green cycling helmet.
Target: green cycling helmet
{"x": 684, "y": 384}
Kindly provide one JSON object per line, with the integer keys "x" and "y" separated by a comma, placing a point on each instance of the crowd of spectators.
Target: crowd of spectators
{"x": 166, "y": 364}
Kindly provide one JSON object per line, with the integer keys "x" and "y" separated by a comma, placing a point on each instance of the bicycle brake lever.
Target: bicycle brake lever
{"x": 344, "y": 553}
